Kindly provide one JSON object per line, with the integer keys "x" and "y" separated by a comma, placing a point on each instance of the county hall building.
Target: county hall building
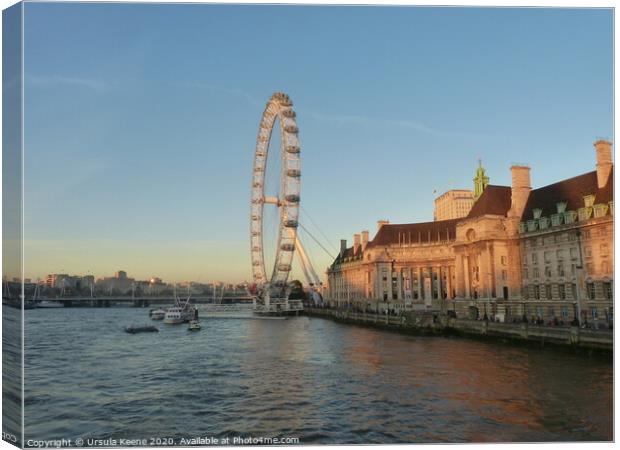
{"x": 545, "y": 253}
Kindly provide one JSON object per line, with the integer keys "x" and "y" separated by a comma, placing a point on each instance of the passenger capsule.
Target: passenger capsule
{"x": 284, "y": 267}
{"x": 292, "y": 149}
{"x": 294, "y": 173}
{"x": 291, "y": 129}
{"x": 287, "y": 247}
{"x": 292, "y": 198}
{"x": 289, "y": 113}
{"x": 290, "y": 223}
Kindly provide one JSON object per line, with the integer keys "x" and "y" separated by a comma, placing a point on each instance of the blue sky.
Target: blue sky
{"x": 141, "y": 120}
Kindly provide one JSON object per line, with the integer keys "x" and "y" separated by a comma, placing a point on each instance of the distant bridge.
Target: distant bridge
{"x": 136, "y": 301}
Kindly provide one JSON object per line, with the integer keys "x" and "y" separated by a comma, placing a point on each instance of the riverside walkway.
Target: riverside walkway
{"x": 433, "y": 323}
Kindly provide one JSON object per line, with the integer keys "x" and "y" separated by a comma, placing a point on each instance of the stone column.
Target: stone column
{"x": 449, "y": 281}
{"x": 428, "y": 299}
{"x": 491, "y": 271}
{"x": 389, "y": 283}
{"x": 467, "y": 276}
{"x": 420, "y": 277}
{"x": 459, "y": 266}
{"x": 399, "y": 283}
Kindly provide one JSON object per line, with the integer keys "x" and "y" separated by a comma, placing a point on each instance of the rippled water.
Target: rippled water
{"x": 303, "y": 377}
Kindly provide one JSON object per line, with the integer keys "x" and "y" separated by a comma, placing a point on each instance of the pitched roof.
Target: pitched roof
{"x": 414, "y": 233}
{"x": 495, "y": 200}
{"x": 348, "y": 253}
{"x": 571, "y": 190}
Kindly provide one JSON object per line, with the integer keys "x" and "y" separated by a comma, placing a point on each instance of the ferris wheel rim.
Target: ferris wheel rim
{"x": 279, "y": 107}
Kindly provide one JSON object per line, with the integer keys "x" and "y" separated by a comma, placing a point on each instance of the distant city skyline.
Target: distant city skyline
{"x": 141, "y": 120}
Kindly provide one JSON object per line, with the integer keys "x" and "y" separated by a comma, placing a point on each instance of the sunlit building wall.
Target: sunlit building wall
{"x": 516, "y": 252}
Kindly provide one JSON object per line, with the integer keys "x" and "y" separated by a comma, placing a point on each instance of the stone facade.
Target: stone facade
{"x": 546, "y": 253}
{"x": 453, "y": 204}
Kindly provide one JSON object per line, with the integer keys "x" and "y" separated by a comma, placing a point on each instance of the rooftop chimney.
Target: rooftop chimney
{"x": 521, "y": 187}
{"x": 343, "y": 246}
{"x": 380, "y": 223}
{"x": 603, "y": 161}
{"x": 364, "y": 239}
{"x": 356, "y": 243}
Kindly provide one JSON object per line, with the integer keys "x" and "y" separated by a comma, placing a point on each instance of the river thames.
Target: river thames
{"x": 305, "y": 378}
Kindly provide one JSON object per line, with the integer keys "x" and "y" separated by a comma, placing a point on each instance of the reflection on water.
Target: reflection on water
{"x": 309, "y": 378}
{"x": 11, "y": 374}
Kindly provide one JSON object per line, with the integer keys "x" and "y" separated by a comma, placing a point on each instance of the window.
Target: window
{"x": 394, "y": 285}
{"x": 574, "y": 253}
{"x": 573, "y": 287}
{"x": 548, "y": 292}
{"x": 590, "y": 290}
{"x": 525, "y": 274}
{"x": 607, "y": 290}
{"x": 573, "y": 269}
{"x": 594, "y": 313}
{"x": 504, "y": 274}
{"x": 525, "y": 292}
{"x": 534, "y": 258}
{"x": 564, "y": 312}
{"x": 536, "y": 273}
{"x": 503, "y": 259}
{"x": 537, "y": 292}
{"x": 559, "y": 255}
{"x": 604, "y": 250}
{"x": 547, "y": 257}
{"x": 560, "y": 270}
{"x": 605, "y": 267}
{"x": 590, "y": 267}
{"x": 600, "y": 210}
{"x": 588, "y": 252}
{"x": 562, "y": 291}
{"x": 539, "y": 312}
{"x": 548, "y": 273}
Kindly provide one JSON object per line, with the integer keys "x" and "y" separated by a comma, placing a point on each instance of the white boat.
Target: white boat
{"x": 180, "y": 313}
{"x": 175, "y": 314}
{"x": 194, "y": 325}
{"x": 157, "y": 314}
{"x": 50, "y": 304}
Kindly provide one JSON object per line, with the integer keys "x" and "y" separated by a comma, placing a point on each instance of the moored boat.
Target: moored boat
{"x": 133, "y": 329}
{"x": 175, "y": 314}
{"x": 50, "y": 304}
{"x": 180, "y": 313}
{"x": 157, "y": 314}
{"x": 194, "y": 325}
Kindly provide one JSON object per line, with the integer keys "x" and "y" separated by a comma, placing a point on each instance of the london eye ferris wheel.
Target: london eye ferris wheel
{"x": 279, "y": 108}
